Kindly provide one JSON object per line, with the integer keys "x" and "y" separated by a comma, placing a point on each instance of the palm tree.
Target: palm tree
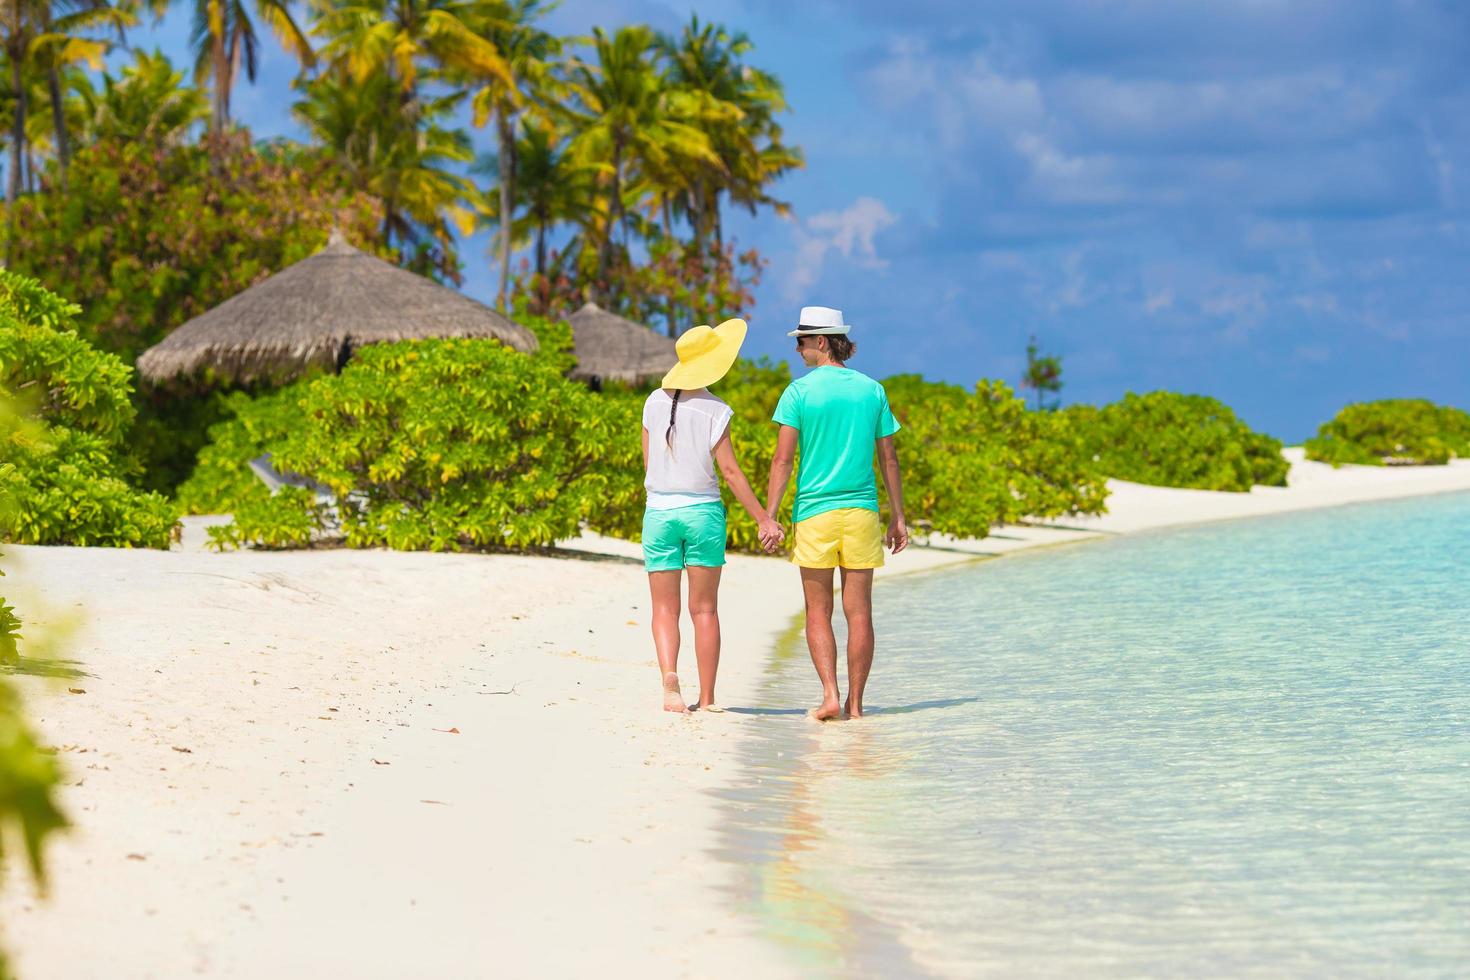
{"x": 408, "y": 38}
{"x": 629, "y": 120}
{"x": 707, "y": 59}
{"x": 62, "y": 44}
{"x": 404, "y": 163}
{"x": 150, "y": 103}
{"x": 19, "y": 25}
{"x": 527, "y": 51}
{"x": 550, "y": 188}
{"x": 223, "y": 37}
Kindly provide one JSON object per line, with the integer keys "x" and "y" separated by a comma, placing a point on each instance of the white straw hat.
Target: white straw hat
{"x": 819, "y": 319}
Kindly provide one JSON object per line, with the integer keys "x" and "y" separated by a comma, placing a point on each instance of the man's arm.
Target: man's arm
{"x": 898, "y": 531}
{"x": 781, "y": 465}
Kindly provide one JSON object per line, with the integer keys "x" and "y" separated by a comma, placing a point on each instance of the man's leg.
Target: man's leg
{"x": 663, "y": 588}
{"x": 704, "y": 609}
{"x": 816, "y": 584}
{"x": 857, "y": 606}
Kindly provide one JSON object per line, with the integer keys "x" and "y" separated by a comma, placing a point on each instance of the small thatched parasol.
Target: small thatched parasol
{"x": 611, "y": 348}
{"x": 315, "y": 313}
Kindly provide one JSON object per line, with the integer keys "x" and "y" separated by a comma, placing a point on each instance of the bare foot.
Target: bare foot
{"x": 828, "y": 710}
{"x": 849, "y": 712}
{"x": 673, "y": 700}
{"x": 711, "y": 707}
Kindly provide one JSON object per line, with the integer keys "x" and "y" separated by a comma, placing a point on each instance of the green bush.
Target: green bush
{"x": 443, "y": 445}
{"x": 1172, "y": 440}
{"x": 972, "y": 460}
{"x": 222, "y": 481}
{"x": 147, "y": 234}
{"x": 69, "y": 471}
{"x": 1396, "y": 430}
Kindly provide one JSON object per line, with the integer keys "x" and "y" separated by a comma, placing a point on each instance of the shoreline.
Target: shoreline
{"x": 378, "y": 761}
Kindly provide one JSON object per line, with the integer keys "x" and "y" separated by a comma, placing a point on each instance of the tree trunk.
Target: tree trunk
{"x": 17, "y": 136}
{"x": 507, "y": 183}
{"x": 718, "y": 225}
{"x": 220, "y": 115}
{"x": 541, "y": 245}
{"x": 614, "y": 211}
{"x": 58, "y": 123}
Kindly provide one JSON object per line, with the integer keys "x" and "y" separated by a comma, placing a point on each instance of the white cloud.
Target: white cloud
{"x": 850, "y": 232}
{"x": 1161, "y": 300}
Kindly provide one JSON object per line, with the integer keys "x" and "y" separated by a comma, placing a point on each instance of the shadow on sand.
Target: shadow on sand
{"x": 900, "y": 709}
{"x": 41, "y": 667}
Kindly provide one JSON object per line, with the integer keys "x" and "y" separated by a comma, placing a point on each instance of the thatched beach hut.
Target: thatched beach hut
{"x": 314, "y": 314}
{"x": 612, "y": 348}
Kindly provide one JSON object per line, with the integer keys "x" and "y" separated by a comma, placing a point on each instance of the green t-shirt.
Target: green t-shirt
{"x": 840, "y": 413}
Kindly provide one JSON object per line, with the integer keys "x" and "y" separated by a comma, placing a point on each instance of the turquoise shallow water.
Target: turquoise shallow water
{"x": 1235, "y": 750}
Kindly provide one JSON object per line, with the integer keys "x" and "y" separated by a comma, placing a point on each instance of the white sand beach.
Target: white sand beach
{"x": 375, "y": 764}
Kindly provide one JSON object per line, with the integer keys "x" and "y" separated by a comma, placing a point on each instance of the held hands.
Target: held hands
{"x": 897, "y": 538}
{"x": 772, "y": 534}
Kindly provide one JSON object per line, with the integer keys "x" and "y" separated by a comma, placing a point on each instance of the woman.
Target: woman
{"x": 686, "y": 432}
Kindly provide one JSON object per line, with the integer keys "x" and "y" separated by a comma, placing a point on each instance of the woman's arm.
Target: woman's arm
{"x": 771, "y": 532}
{"x": 645, "y": 449}
{"x": 898, "y": 531}
{"x": 781, "y": 466}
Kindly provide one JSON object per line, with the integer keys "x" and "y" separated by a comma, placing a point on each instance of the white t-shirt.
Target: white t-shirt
{"x": 685, "y": 474}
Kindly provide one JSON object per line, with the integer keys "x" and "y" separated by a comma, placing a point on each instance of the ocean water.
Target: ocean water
{"x": 1234, "y": 750}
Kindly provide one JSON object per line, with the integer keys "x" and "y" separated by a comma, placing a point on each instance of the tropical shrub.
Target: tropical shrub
{"x": 149, "y": 233}
{"x": 1395, "y": 430}
{"x": 972, "y": 460}
{"x": 1172, "y": 440}
{"x": 222, "y": 481}
{"x": 443, "y": 445}
{"x": 68, "y": 476}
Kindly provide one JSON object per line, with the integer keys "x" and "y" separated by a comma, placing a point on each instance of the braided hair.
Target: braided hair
{"x": 673, "y": 411}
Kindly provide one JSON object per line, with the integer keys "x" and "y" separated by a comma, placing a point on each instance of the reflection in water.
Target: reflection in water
{"x": 1238, "y": 750}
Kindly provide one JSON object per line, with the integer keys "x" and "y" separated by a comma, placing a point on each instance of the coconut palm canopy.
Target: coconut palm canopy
{"x": 611, "y": 348}
{"x": 314, "y": 313}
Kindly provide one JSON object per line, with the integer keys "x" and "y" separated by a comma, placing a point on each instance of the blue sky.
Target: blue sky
{"x": 1260, "y": 200}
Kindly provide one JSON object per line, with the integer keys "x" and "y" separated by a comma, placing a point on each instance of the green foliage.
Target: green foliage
{"x": 1396, "y": 430}
{"x": 972, "y": 460}
{"x": 40, "y": 355}
{"x": 66, "y": 473}
{"x": 1172, "y": 440}
{"x": 554, "y": 339}
{"x": 149, "y": 102}
{"x": 28, "y": 774}
{"x": 147, "y": 234}
{"x": 444, "y": 445}
{"x": 222, "y": 481}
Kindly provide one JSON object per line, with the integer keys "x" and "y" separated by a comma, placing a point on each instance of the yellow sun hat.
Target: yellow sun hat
{"x": 705, "y": 354}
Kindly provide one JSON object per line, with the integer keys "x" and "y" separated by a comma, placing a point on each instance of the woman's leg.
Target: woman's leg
{"x": 704, "y": 609}
{"x": 663, "y": 587}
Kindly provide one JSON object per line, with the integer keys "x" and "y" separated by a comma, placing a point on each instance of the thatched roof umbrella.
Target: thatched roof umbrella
{"x": 611, "y": 348}
{"x": 315, "y": 313}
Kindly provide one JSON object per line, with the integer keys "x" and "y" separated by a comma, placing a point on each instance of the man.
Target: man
{"x": 836, "y": 416}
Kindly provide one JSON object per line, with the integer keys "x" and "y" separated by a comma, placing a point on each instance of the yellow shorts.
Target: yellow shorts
{"x": 851, "y": 537}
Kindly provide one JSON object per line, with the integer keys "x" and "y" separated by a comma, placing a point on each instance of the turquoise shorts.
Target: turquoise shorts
{"x": 682, "y": 536}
